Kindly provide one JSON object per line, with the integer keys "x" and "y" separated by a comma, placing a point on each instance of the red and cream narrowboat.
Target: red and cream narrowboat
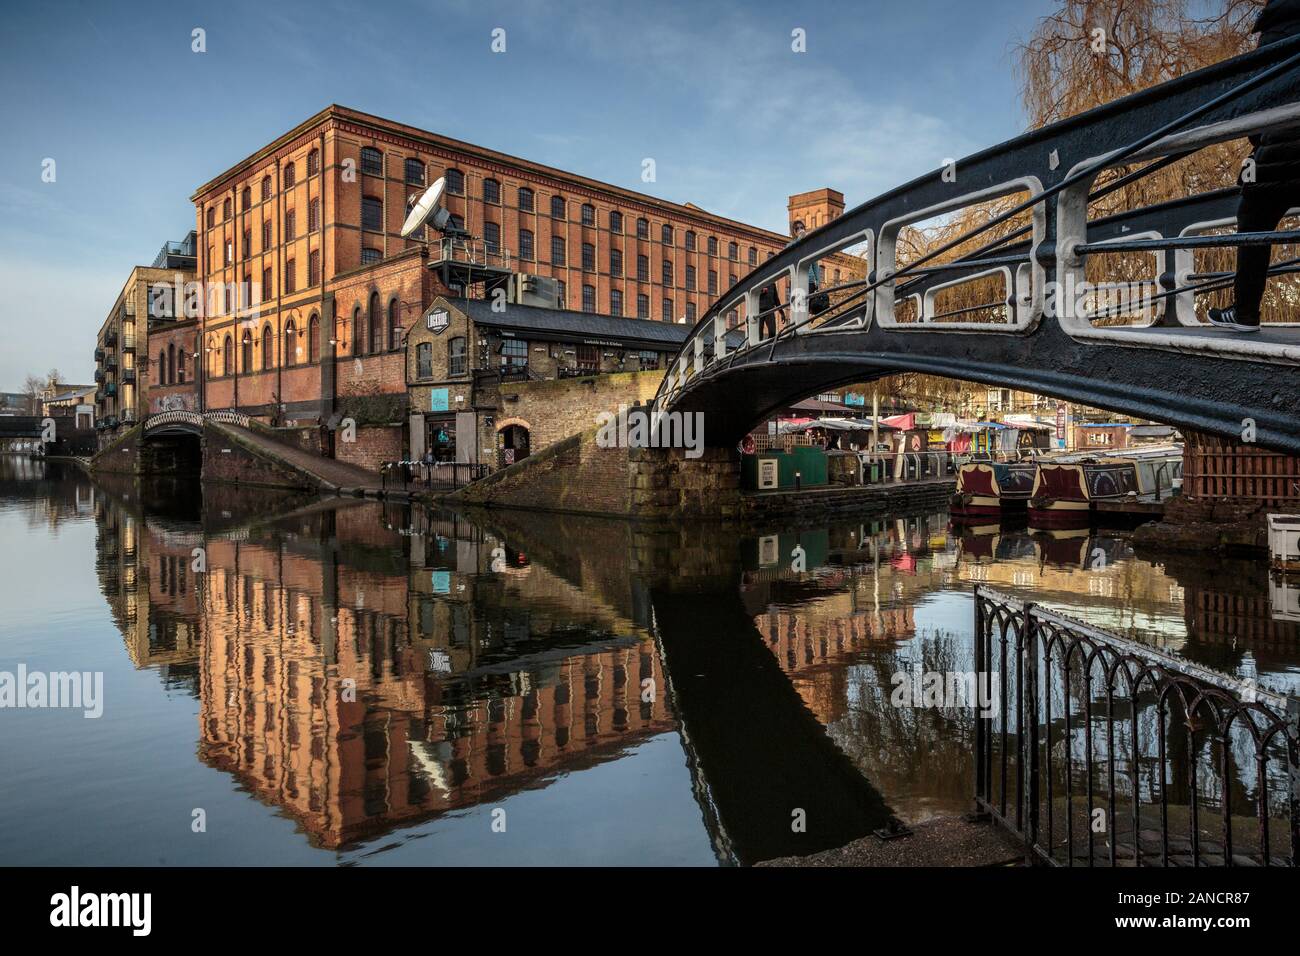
{"x": 988, "y": 489}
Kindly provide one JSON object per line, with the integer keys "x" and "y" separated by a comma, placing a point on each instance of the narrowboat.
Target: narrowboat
{"x": 988, "y": 489}
{"x": 1067, "y": 488}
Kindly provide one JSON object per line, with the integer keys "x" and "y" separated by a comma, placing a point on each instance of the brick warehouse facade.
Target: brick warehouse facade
{"x": 308, "y": 228}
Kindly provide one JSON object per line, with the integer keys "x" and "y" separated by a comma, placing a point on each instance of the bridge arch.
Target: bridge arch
{"x": 1169, "y": 367}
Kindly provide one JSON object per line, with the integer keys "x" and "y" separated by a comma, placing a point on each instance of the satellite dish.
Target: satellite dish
{"x": 428, "y": 209}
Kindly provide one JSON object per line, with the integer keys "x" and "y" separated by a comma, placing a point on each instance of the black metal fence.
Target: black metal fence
{"x": 1098, "y": 750}
{"x": 425, "y": 476}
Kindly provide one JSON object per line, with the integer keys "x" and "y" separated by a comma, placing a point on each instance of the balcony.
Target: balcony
{"x": 110, "y": 338}
{"x": 99, "y": 376}
{"x": 110, "y": 363}
{"x": 128, "y": 342}
{"x": 128, "y": 375}
{"x": 111, "y": 389}
{"x": 178, "y": 255}
{"x": 99, "y": 356}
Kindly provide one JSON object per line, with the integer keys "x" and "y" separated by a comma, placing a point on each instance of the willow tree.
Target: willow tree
{"x": 1091, "y": 52}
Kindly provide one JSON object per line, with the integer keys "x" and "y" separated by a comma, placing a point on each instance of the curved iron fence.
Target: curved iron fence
{"x": 1099, "y": 750}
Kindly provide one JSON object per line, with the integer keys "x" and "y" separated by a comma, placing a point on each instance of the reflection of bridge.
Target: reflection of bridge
{"x": 1039, "y": 334}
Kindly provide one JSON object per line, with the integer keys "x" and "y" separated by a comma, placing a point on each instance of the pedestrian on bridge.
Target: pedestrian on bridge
{"x": 1269, "y": 193}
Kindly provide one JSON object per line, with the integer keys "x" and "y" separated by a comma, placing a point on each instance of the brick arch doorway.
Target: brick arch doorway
{"x": 514, "y": 441}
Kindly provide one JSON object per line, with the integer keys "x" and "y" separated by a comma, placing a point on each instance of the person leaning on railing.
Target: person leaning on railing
{"x": 1266, "y": 195}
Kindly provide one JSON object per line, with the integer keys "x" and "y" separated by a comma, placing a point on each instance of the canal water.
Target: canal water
{"x": 291, "y": 681}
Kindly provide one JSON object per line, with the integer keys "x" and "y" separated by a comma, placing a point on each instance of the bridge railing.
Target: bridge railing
{"x": 195, "y": 419}
{"x": 1099, "y": 750}
{"x": 1034, "y": 195}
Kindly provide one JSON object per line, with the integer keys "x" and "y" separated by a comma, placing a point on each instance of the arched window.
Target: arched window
{"x": 313, "y": 338}
{"x": 588, "y": 214}
{"x": 526, "y": 244}
{"x": 643, "y": 229}
{"x": 268, "y": 346}
{"x": 358, "y": 337}
{"x": 246, "y": 198}
{"x": 414, "y": 172}
{"x": 162, "y": 368}
{"x": 557, "y": 207}
{"x": 372, "y": 161}
{"x": 171, "y": 364}
{"x": 492, "y": 238}
{"x": 376, "y": 325}
{"x": 313, "y": 215}
{"x": 180, "y": 367}
{"x": 290, "y": 174}
{"x": 731, "y": 251}
{"x": 313, "y": 162}
{"x": 491, "y": 191}
{"x": 690, "y": 240}
{"x": 394, "y": 325}
{"x": 227, "y": 356}
{"x": 753, "y": 256}
{"x": 225, "y": 208}
{"x": 246, "y": 351}
{"x": 266, "y": 187}
{"x": 666, "y": 234}
{"x": 525, "y": 199}
{"x": 290, "y": 349}
{"x": 455, "y": 182}
{"x": 557, "y": 251}
{"x": 615, "y": 221}
{"x": 713, "y": 245}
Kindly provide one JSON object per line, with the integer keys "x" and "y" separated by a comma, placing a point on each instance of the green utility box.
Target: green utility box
{"x": 776, "y": 470}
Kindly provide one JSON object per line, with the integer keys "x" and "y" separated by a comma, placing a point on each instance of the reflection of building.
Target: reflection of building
{"x": 145, "y": 576}
{"x": 363, "y": 679}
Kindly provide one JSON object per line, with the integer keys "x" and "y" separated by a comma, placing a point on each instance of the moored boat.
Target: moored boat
{"x": 989, "y": 489}
{"x": 1067, "y": 488}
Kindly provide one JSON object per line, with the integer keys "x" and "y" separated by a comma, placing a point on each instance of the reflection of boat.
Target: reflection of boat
{"x": 1066, "y": 488}
{"x": 991, "y": 488}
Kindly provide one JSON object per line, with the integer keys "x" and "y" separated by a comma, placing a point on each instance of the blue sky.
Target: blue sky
{"x": 734, "y": 119}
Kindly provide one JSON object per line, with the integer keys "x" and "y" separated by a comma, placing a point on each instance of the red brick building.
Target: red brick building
{"x": 303, "y": 266}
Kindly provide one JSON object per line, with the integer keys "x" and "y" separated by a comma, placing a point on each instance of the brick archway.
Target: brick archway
{"x": 507, "y": 422}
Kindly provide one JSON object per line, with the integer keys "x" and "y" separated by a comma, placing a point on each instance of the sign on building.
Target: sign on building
{"x": 437, "y": 321}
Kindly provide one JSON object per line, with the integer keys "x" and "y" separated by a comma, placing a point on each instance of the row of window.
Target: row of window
{"x": 268, "y": 239}
{"x": 290, "y": 350}
{"x": 246, "y": 196}
{"x": 368, "y": 327}
{"x": 372, "y": 163}
{"x": 514, "y": 356}
{"x": 171, "y": 366}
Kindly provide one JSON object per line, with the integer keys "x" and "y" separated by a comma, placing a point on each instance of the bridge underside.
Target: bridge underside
{"x": 1187, "y": 389}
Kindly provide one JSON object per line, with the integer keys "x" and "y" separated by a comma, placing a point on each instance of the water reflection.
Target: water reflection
{"x": 386, "y": 678}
